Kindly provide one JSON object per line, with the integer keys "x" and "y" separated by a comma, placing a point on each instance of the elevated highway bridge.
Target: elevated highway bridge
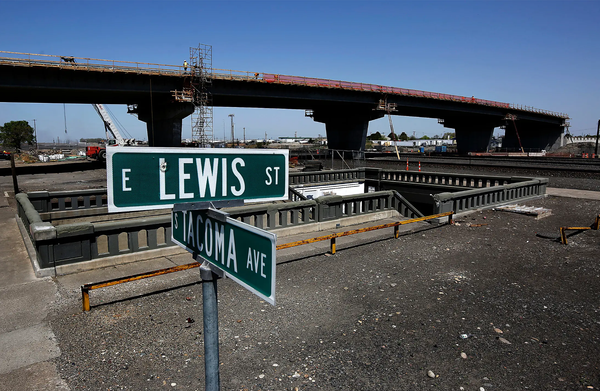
{"x": 345, "y": 107}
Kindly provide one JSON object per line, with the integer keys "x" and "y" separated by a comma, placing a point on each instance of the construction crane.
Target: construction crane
{"x": 111, "y": 129}
{"x": 99, "y": 153}
{"x": 388, "y": 108}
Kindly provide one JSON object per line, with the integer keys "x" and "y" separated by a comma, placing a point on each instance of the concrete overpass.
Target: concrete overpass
{"x": 345, "y": 107}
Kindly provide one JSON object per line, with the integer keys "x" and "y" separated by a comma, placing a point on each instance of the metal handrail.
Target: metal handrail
{"x": 91, "y": 64}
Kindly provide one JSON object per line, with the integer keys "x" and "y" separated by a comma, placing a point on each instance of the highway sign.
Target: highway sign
{"x": 141, "y": 178}
{"x": 245, "y": 253}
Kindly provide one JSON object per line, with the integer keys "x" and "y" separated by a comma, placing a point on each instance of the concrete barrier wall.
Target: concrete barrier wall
{"x": 78, "y": 242}
{"x": 84, "y": 241}
{"x": 312, "y": 177}
{"x": 483, "y": 190}
{"x": 53, "y": 201}
{"x": 467, "y": 200}
{"x": 438, "y": 178}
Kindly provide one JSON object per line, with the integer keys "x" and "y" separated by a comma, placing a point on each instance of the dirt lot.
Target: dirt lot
{"x": 491, "y": 306}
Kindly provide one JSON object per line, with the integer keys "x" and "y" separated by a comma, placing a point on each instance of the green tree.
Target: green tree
{"x": 425, "y": 137}
{"x": 376, "y": 136}
{"x": 13, "y": 133}
{"x": 393, "y": 136}
{"x": 403, "y": 136}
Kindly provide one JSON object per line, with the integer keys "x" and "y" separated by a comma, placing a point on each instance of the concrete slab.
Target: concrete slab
{"x": 14, "y": 262}
{"x": 27, "y": 346}
{"x": 573, "y": 193}
{"x": 25, "y": 304}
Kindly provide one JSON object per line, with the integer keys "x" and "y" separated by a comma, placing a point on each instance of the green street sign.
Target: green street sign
{"x": 141, "y": 178}
{"x": 245, "y": 253}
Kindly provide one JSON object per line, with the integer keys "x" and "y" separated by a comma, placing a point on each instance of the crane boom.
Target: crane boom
{"x": 109, "y": 127}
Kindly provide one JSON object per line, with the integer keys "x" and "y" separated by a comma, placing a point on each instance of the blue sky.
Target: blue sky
{"x": 537, "y": 53}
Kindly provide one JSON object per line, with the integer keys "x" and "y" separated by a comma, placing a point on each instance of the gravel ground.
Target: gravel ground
{"x": 389, "y": 314}
{"x": 377, "y": 316}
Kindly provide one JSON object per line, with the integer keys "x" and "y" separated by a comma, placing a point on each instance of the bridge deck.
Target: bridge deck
{"x": 99, "y": 65}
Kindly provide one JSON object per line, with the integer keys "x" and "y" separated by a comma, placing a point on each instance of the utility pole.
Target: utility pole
{"x": 35, "y": 134}
{"x": 597, "y": 136}
{"x": 244, "y": 135}
{"x": 232, "y": 131}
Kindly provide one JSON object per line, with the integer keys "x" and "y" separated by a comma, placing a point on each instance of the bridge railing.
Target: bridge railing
{"x": 89, "y": 64}
{"x": 60, "y": 201}
{"x": 466, "y": 200}
{"x": 327, "y": 83}
{"x": 439, "y": 178}
{"x": 82, "y": 241}
{"x": 380, "y": 174}
{"x": 313, "y": 177}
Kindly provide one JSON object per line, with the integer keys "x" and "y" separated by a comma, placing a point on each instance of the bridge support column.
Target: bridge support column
{"x": 346, "y": 128}
{"x": 163, "y": 121}
{"x": 472, "y": 135}
{"x": 535, "y": 136}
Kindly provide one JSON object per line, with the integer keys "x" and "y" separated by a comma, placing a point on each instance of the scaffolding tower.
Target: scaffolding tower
{"x": 198, "y": 88}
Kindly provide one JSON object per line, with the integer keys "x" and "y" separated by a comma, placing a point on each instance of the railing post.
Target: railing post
{"x": 85, "y": 299}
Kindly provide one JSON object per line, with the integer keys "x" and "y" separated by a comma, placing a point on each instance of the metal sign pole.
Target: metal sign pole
{"x": 211, "y": 327}
{"x": 206, "y": 232}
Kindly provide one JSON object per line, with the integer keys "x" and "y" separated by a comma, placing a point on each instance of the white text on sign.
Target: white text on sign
{"x": 210, "y": 239}
{"x": 207, "y": 174}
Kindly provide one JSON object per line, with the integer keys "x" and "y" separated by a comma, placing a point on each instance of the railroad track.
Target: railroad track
{"x": 527, "y": 163}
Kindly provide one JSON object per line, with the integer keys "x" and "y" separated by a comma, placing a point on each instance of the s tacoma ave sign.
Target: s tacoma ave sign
{"x": 245, "y": 253}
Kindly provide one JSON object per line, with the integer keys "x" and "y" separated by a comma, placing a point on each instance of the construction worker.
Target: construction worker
{"x": 185, "y": 65}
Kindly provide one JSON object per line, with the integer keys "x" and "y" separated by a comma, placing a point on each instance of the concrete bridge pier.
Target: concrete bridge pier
{"x": 346, "y": 127}
{"x": 535, "y": 136}
{"x": 163, "y": 121}
{"x": 472, "y": 135}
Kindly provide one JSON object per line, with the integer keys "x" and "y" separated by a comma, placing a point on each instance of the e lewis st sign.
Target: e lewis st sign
{"x": 141, "y": 178}
{"x": 245, "y": 253}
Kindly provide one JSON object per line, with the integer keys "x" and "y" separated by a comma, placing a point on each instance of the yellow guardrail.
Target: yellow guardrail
{"x": 333, "y": 237}
{"x": 85, "y": 289}
{"x": 563, "y": 230}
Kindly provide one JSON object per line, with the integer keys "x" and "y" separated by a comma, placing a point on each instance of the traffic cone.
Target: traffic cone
{"x": 419, "y": 166}
{"x": 406, "y": 164}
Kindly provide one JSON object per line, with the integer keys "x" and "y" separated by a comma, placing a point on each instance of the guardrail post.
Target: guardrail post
{"x": 85, "y": 299}
{"x": 563, "y": 235}
{"x": 333, "y": 245}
